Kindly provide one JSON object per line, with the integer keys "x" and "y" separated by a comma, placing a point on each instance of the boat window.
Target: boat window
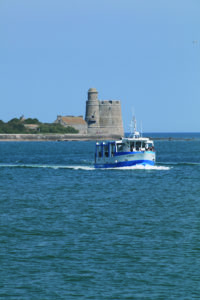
{"x": 112, "y": 149}
{"x": 138, "y": 145}
{"x": 106, "y": 150}
{"x": 151, "y": 147}
{"x": 132, "y": 147}
{"x": 120, "y": 147}
{"x": 143, "y": 144}
{"x": 99, "y": 151}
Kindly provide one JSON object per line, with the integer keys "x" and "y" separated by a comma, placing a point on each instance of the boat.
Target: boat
{"x": 128, "y": 151}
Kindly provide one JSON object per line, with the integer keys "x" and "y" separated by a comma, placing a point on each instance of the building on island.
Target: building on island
{"x": 75, "y": 122}
{"x": 102, "y": 117}
{"x": 31, "y": 126}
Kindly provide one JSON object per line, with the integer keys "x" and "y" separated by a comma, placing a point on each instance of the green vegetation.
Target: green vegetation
{"x": 56, "y": 128}
{"x": 30, "y": 121}
{"x": 22, "y": 126}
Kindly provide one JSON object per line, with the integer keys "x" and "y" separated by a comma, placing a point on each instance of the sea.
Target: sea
{"x": 69, "y": 231}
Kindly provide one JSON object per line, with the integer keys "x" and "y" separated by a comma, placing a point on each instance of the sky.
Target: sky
{"x": 145, "y": 53}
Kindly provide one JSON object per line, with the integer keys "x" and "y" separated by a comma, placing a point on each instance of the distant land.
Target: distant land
{"x": 103, "y": 121}
{"x": 33, "y": 126}
{"x": 31, "y": 129}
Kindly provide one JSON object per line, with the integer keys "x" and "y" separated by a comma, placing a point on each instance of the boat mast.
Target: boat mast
{"x": 133, "y": 128}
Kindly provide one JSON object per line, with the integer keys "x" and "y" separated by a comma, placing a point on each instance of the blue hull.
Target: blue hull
{"x": 126, "y": 164}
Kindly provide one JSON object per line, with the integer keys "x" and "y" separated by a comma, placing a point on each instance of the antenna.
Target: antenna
{"x": 133, "y": 126}
{"x": 141, "y": 129}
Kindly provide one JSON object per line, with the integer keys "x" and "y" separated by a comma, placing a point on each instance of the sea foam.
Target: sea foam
{"x": 81, "y": 167}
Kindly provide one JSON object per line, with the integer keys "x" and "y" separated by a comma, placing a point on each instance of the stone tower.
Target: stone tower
{"x": 110, "y": 117}
{"x": 103, "y": 117}
{"x": 92, "y": 111}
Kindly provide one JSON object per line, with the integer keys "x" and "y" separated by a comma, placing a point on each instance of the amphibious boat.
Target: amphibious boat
{"x": 129, "y": 151}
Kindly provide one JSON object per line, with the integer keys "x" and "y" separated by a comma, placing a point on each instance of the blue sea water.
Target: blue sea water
{"x": 69, "y": 231}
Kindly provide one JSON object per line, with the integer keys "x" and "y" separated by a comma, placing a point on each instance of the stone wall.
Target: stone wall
{"x": 110, "y": 117}
{"x": 56, "y": 137}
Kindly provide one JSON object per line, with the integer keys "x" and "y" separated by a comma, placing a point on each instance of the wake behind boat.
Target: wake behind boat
{"x": 130, "y": 151}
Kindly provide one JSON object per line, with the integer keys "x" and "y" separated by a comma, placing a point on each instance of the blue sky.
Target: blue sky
{"x": 141, "y": 52}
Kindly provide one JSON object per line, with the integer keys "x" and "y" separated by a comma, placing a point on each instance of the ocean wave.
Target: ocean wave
{"x": 41, "y": 166}
{"x": 80, "y": 167}
{"x": 141, "y": 167}
{"x": 180, "y": 163}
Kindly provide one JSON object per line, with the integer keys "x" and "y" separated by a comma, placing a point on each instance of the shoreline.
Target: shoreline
{"x": 55, "y": 137}
{"x": 74, "y": 137}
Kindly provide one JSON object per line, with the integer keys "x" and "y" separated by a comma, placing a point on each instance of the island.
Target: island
{"x": 103, "y": 121}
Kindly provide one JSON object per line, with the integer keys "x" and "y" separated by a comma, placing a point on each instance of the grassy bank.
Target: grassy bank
{"x": 33, "y": 126}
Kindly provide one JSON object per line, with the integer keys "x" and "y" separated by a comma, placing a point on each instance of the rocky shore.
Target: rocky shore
{"x": 55, "y": 137}
{"x": 72, "y": 137}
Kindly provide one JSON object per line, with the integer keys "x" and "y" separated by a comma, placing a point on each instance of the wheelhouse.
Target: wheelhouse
{"x": 105, "y": 149}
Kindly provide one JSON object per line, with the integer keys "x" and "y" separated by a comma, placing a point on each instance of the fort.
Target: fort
{"x": 103, "y": 121}
{"x": 102, "y": 117}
